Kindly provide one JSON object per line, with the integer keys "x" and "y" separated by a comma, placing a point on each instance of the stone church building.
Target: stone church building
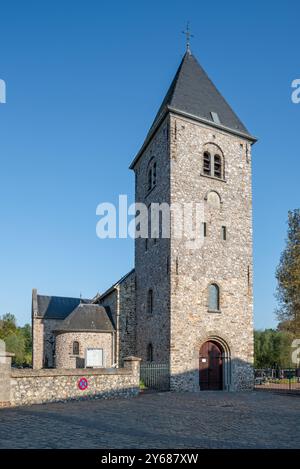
{"x": 188, "y": 308}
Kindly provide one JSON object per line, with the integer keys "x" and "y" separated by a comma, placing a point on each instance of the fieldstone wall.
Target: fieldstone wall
{"x": 5, "y": 371}
{"x": 53, "y": 385}
{"x": 127, "y": 318}
{"x": 228, "y": 263}
{"x": 152, "y": 258}
{"x": 180, "y": 275}
{"x": 43, "y": 337}
{"x": 64, "y": 357}
{"x": 121, "y": 302}
{"x": 44, "y": 342}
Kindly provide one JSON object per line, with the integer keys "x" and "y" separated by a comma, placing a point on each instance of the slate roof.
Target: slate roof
{"x": 99, "y": 296}
{"x": 193, "y": 94}
{"x": 87, "y": 318}
{"x": 56, "y": 307}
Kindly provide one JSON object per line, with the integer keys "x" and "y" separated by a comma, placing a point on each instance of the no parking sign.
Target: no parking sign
{"x": 82, "y": 384}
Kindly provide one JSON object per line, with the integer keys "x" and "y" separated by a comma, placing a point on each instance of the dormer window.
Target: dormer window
{"x": 215, "y": 117}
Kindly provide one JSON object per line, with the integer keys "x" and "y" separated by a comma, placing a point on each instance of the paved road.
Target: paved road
{"x": 163, "y": 420}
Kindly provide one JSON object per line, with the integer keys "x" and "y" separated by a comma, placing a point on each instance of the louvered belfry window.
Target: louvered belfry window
{"x": 206, "y": 163}
{"x": 217, "y": 166}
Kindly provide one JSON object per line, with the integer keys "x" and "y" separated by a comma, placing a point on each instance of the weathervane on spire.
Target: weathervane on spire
{"x": 188, "y": 36}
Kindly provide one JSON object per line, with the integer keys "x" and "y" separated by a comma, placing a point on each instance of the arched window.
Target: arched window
{"x": 154, "y": 174}
{"x": 150, "y": 353}
{"x": 151, "y": 181}
{"x": 75, "y": 348}
{"x": 217, "y": 166}
{"x": 214, "y": 297}
{"x": 206, "y": 163}
{"x": 150, "y": 301}
{"x": 213, "y": 163}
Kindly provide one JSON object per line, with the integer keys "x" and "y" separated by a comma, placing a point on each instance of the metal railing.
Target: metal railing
{"x": 277, "y": 379}
{"x": 155, "y": 376}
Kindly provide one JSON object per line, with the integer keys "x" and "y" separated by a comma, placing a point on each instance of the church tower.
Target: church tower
{"x": 194, "y": 305}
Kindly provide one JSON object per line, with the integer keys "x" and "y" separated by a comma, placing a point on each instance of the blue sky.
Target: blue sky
{"x": 84, "y": 81}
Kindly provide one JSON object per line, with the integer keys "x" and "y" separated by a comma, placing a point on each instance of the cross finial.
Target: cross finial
{"x": 188, "y": 36}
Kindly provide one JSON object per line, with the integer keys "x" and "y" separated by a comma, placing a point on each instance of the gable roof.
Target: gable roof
{"x": 111, "y": 289}
{"x": 194, "y": 95}
{"x": 87, "y": 318}
{"x": 56, "y": 307}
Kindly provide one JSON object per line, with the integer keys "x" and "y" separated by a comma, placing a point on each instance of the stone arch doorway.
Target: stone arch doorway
{"x": 214, "y": 366}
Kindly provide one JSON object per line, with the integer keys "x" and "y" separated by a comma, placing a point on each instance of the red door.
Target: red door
{"x": 210, "y": 367}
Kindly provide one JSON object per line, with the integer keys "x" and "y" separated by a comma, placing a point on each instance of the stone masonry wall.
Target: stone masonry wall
{"x": 37, "y": 343}
{"x": 226, "y": 263}
{"x": 44, "y": 342}
{"x": 52, "y": 385}
{"x": 64, "y": 357}
{"x": 127, "y": 318}
{"x": 152, "y": 264}
{"x": 5, "y": 371}
{"x": 121, "y": 302}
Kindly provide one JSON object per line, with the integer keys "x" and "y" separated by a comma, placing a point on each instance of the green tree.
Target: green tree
{"x": 7, "y": 325}
{"x": 27, "y": 334}
{"x": 272, "y": 349}
{"x": 18, "y": 340}
{"x": 288, "y": 278}
{"x": 15, "y": 343}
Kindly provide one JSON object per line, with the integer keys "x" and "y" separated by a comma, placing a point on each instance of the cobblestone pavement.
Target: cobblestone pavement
{"x": 157, "y": 420}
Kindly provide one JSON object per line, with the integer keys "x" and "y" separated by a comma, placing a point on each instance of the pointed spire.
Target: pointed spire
{"x": 192, "y": 94}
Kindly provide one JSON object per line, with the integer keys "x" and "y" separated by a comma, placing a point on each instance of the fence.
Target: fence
{"x": 155, "y": 376}
{"x": 275, "y": 379}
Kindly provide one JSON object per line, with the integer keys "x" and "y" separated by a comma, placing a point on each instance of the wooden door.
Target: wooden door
{"x": 210, "y": 367}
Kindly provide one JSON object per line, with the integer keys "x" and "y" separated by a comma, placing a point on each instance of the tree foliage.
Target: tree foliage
{"x": 18, "y": 340}
{"x": 272, "y": 349}
{"x": 288, "y": 278}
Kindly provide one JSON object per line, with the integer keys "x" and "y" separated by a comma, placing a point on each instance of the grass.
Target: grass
{"x": 142, "y": 385}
